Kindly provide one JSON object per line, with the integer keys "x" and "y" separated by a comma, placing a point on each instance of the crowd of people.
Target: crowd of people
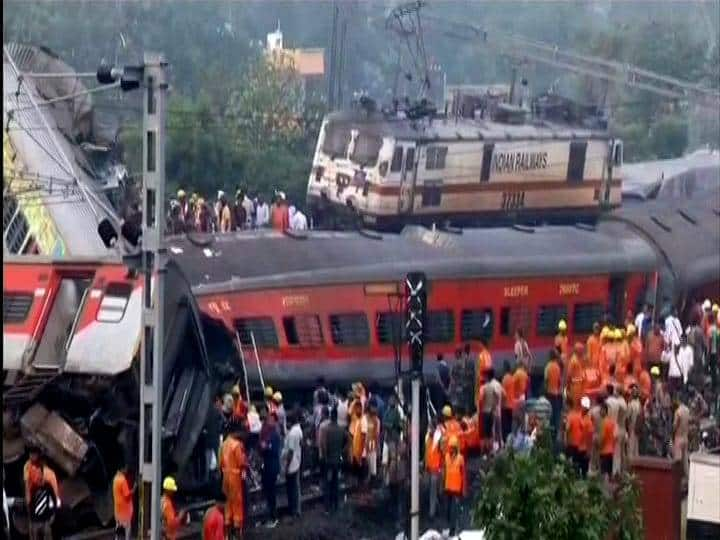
{"x": 645, "y": 387}
{"x": 194, "y": 213}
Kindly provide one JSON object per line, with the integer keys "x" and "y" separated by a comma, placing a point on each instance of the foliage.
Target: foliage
{"x": 540, "y": 497}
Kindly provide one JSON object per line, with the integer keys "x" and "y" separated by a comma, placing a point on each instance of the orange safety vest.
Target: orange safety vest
{"x": 607, "y": 436}
{"x": 452, "y": 427}
{"x": 433, "y": 454}
{"x": 521, "y": 384}
{"x": 455, "y": 474}
{"x": 508, "y": 384}
{"x": 171, "y": 520}
{"x": 484, "y": 363}
{"x": 593, "y": 350}
{"x": 575, "y": 380}
{"x": 561, "y": 342}
{"x": 553, "y": 378}
{"x": 122, "y": 499}
{"x": 357, "y": 445}
{"x": 471, "y": 436}
{"x": 35, "y": 476}
{"x": 233, "y": 463}
{"x": 636, "y": 355}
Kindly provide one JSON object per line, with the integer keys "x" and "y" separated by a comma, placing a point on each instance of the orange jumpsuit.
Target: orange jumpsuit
{"x": 575, "y": 380}
{"x": 622, "y": 364}
{"x": 608, "y": 354}
{"x": 357, "y": 444}
{"x": 170, "y": 518}
{"x": 521, "y": 384}
{"x": 233, "y": 463}
{"x": 645, "y": 384}
{"x": 35, "y": 475}
{"x": 122, "y": 499}
{"x": 561, "y": 342}
{"x": 452, "y": 428}
{"x": 636, "y": 355}
{"x": 471, "y": 436}
{"x": 593, "y": 351}
{"x": 484, "y": 363}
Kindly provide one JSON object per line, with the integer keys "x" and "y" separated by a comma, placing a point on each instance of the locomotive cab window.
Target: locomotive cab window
{"x": 512, "y": 318}
{"x": 114, "y": 302}
{"x": 389, "y": 328}
{"x": 350, "y": 329}
{"x": 585, "y": 315}
{"x": 435, "y": 157}
{"x": 366, "y": 150}
{"x": 548, "y": 318}
{"x": 476, "y": 324}
{"x": 397, "y": 158}
{"x": 337, "y": 139}
{"x": 303, "y": 330}
{"x": 440, "y": 327}
{"x": 261, "y": 328}
{"x": 16, "y": 306}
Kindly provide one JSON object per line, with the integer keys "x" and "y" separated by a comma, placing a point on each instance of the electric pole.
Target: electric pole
{"x": 153, "y": 263}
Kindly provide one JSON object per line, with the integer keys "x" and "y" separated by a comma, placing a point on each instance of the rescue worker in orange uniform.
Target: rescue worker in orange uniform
{"x": 214, "y": 521}
{"x": 574, "y": 436}
{"x": 455, "y": 482}
{"x": 622, "y": 362}
{"x": 123, "y": 502}
{"x": 233, "y": 464}
{"x": 172, "y": 520}
{"x": 484, "y": 363}
{"x": 588, "y": 430}
{"x": 562, "y": 344}
{"x": 508, "y": 401}
{"x": 357, "y": 437}
{"x": 240, "y": 407}
{"x": 644, "y": 381}
{"x": 607, "y": 436}
{"x": 608, "y": 352}
{"x": 593, "y": 346}
{"x": 636, "y": 350}
{"x": 471, "y": 434}
{"x": 452, "y": 429}
{"x": 433, "y": 461}
{"x": 553, "y": 390}
{"x": 522, "y": 385}
{"x": 38, "y": 475}
{"x": 576, "y": 375}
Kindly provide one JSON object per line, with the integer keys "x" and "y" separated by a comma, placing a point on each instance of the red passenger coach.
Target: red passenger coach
{"x": 329, "y": 304}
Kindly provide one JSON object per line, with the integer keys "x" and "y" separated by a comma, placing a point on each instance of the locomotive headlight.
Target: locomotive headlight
{"x": 383, "y": 168}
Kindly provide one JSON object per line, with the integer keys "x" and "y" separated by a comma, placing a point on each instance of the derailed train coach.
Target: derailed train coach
{"x": 71, "y": 345}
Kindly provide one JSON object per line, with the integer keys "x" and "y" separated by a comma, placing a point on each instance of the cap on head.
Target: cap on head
{"x": 631, "y": 330}
{"x": 268, "y": 392}
{"x": 562, "y": 325}
{"x": 169, "y": 484}
{"x": 585, "y": 402}
{"x": 605, "y": 333}
{"x": 235, "y": 390}
{"x": 715, "y": 308}
{"x": 707, "y": 304}
{"x": 181, "y": 193}
{"x": 447, "y": 411}
{"x": 277, "y": 397}
{"x": 655, "y": 371}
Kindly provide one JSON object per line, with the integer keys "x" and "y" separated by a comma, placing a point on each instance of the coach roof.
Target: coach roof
{"x": 268, "y": 259}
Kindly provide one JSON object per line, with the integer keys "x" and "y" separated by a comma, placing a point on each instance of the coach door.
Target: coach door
{"x": 408, "y": 175}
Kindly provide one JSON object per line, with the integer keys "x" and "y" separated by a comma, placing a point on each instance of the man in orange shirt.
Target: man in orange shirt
{"x": 561, "y": 342}
{"x": 171, "y": 519}
{"x": 645, "y": 383}
{"x": 40, "y": 478}
{"x": 240, "y": 407}
{"x": 636, "y": 350}
{"x": 123, "y": 502}
{"x": 433, "y": 462}
{"x": 508, "y": 401}
{"x": 622, "y": 365}
{"x": 576, "y": 375}
{"x": 484, "y": 363}
{"x": 452, "y": 429}
{"x": 553, "y": 390}
{"x": 214, "y": 521}
{"x": 608, "y": 434}
{"x": 588, "y": 432}
{"x": 455, "y": 482}
{"x": 593, "y": 347}
{"x": 233, "y": 463}
{"x": 574, "y": 436}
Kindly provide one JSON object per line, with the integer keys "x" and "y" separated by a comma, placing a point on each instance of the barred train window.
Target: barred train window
{"x": 512, "y": 318}
{"x": 548, "y": 318}
{"x": 585, "y": 315}
{"x": 477, "y": 323}
{"x": 440, "y": 326}
{"x": 350, "y": 329}
{"x": 396, "y": 164}
{"x": 389, "y": 328}
{"x": 303, "y": 330}
{"x": 261, "y": 328}
{"x": 16, "y": 306}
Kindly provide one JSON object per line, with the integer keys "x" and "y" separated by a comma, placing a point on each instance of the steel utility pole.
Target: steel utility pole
{"x": 153, "y": 263}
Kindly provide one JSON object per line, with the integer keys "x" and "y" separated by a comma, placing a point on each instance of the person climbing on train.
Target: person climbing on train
{"x": 42, "y": 495}
{"x": 233, "y": 464}
{"x": 455, "y": 482}
{"x": 214, "y": 520}
{"x": 122, "y": 489}
{"x": 562, "y": 342}
{"x": 172, "y": 520}
{"x": 553, "y": 390}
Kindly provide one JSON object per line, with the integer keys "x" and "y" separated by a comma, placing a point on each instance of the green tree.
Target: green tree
{"x": 537, "y": 496}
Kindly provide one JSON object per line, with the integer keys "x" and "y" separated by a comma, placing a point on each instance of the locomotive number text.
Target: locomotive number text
{"x": 512, "y": 200}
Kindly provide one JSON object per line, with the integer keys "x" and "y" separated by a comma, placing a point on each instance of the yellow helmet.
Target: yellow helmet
{"x": 235, "y": 390}
{"x": 617, "y": 334}
{"x": 277, "y": 396}
{"x": 655, "y": 371}
{"x": 453, "y": 442}
{"x": 715, "y": 308}
{"x": 169, "y": 484}
{"x": 605, "y": 333}
{"x": 181, "y": 193}
{"x": 447, "y": 411}
{"x": 562, "y": 325}
{"x": 631, "y": 329}
{"x": 268, "y": 392}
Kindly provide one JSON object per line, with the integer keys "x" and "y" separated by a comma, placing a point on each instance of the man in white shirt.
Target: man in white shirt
{"x": 293, "y": 459}
{"x": 685, "y": 358}
{"x": 298, "y": 221}
{"x": 262, "y": 213}
{"x": 673, "y": 329}
{"x": 641, "y": 318}
{"x": 249, "y": 208}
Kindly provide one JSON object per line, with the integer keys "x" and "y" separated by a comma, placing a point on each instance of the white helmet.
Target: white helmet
{"x": 707, "y": 305}
{"x": 585, "y": 402}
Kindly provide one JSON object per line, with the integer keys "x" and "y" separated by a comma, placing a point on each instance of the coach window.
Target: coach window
{"x": 16, "y": 306}
{"x": 435, "y": 158}
{"x": 114, "y": 302}
{"x": 396, "y": 164}
{"x": 350, "y": 329}
{"x": 512, "y": 318}
{"x": 476, "y": 324}
{"x": 260, "y": 328}
{"x": 389, "y": 328}
{"x": 303, "y": 330}
{"x": 432, "y": 193}
{"x": 440, "y": 327}
{"x": 548, "y": 318}
{"x": 585, "y": 315}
